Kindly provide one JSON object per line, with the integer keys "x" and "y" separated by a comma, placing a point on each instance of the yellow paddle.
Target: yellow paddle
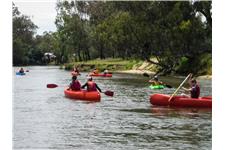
{"x": 179, "y": 87}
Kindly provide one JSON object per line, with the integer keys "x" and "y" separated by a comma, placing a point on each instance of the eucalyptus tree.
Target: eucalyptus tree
{"x": 23, "y": 37}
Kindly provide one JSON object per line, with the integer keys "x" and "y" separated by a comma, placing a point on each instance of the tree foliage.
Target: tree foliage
{"x": 166, "y": 30}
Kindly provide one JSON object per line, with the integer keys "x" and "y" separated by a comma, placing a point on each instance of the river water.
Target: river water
{"x": 44, "y": 119}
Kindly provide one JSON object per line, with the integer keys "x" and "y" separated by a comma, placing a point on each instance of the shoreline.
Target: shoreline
{"x": 140, "y": 72}
{"x": 137, "y": 72}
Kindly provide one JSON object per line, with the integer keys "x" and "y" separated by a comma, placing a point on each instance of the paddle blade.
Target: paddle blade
{"x": 145, "y": 74}
{"x": 109, "y": 93}
{"x": 168, "y": 86}
{"x": 52, "y": 85}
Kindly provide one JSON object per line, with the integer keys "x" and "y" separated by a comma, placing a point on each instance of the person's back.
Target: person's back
{"x": 91, "y": 85}
{"x": 75, "y": 85}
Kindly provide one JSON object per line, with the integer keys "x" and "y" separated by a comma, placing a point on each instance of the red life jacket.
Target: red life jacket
{"x": 91, "y": 86}
{"x": 195, "y": 91}
{"x": 75, "y": 85}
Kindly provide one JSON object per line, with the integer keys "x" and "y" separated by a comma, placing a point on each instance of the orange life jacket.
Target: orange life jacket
{"x": 91, "y": 86}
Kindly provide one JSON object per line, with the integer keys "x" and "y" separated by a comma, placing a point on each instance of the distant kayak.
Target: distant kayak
{"x": 101, "y": 75}
{"x": 83, "y": 95}
{"x": 19, "y": 73}
{"x": 180, "y": 101}
{"x": 153, "y": 87}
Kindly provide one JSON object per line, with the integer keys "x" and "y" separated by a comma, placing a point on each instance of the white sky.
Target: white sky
{"x": 41, "y": 13}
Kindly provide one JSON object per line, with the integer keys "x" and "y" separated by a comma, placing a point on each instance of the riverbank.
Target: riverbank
{"x": 119, "y": 66}
{"x": 113, "y": 65}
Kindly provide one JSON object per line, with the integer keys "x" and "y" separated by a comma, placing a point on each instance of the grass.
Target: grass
{"x": 110, "y": 64}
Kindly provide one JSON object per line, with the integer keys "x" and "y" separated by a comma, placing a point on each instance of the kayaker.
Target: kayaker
{"x": 95, "y": 71}
{"x": 155, "y": 81}
{"x": 91, "y": 85}
{"x": 106, "y": 71}
{"x": 21, "y": 70}
{"x": 75, "y": 84}
{"x": 75, "y": 71}
{"x": 194, "y": 89}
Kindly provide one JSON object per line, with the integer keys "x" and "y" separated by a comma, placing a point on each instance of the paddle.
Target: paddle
{"x": 108, "y": 93}
{"x": 179, "y": 87}
{"x": 147, "y": 75}
{"x": 52, "y": 85}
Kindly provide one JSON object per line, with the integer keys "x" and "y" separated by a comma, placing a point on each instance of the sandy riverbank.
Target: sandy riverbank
{"x": 205, "y": 77}
{"x": 140, "y": 72}
{"x": 136, "y": 72}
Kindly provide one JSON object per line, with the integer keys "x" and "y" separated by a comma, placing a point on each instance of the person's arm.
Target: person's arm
{"x": 150, "y": 81}
{"x": 188, "y": 90}
{"x": 84, "y": 86}
{"x": 160, "y": 82}
{"x": 70, "y": 86}
{"x": 98, "y": 88}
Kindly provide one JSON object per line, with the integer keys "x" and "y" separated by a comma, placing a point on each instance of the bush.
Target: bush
{"x": 200, "y": 65}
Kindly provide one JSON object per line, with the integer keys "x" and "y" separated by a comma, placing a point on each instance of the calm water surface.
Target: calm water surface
{"x": 44, "y": 119}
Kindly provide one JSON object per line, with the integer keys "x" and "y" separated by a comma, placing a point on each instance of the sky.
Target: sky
{"x": 41, "y": 13}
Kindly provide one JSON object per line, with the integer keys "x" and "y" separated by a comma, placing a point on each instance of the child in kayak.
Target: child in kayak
{"x": 194, "y": 89}
{"x": 21, "y": 70}
{"x": 155, "y": 81}
{"x": 91, "y": 85}
{"x": 75, "y": 84}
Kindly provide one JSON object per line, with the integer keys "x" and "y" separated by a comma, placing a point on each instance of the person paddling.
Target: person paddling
{"x": 21, "y": 70}
{"x": 91, "y": 85}
{"x": 75, "y": 84}
{"x": 106, "y": 71}
{"x": 194, "y": 89}
{"x": 95, "y": 71}
{"x": 75, "y": 71}
{"x": 155, "y": 81}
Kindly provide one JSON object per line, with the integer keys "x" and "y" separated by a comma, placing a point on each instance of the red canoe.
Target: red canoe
{"x": 83, "y": 95}
{"x": 180, "y": 101}
{"x": 101, "y": 75}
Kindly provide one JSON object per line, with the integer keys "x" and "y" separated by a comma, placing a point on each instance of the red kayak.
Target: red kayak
{"x": 101, "y": 75}
{"x": 181, "y": 101}
{"x": 83, "y": 95}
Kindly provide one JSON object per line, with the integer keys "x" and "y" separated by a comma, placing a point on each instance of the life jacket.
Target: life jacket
{"x": 195, "y": 91}
{"x": 91, "y": 86}
{"x": 75, "y": 85}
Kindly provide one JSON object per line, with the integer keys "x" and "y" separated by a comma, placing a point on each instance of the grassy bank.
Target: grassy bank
{"x": 201, "y": 66}
{"x": 110, "y": 64}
